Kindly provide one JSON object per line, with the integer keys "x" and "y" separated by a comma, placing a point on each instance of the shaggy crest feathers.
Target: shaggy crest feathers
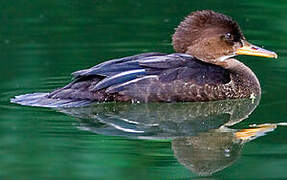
{"x": 190, "y": 30}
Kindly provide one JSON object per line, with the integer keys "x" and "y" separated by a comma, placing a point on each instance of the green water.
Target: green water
{"x": 42, "y": 42}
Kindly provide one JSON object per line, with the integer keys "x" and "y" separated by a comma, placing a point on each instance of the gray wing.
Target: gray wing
{"x": 166, "y": 69}
{"x": 115, "y": 66}
{"x": 124, "y": 70}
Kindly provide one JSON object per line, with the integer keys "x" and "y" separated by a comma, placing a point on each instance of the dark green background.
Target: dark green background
{"x": 42, "y": 42}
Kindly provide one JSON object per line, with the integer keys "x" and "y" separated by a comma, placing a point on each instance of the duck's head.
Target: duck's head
{"x": 213, "y": 37}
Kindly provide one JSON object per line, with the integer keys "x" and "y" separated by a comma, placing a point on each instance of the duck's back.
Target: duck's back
{"x": 148, "y": 77}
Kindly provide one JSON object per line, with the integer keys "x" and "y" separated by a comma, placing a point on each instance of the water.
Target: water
{"x": 42, "y": 42}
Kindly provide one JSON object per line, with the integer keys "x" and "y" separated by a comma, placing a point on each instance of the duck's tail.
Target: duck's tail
{"x": 43, "y": 100}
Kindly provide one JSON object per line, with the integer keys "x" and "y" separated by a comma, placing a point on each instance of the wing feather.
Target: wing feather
{"x": 115, "y": 66}
{"x": 118, "y": 74}
{"x": 119, "y": 78}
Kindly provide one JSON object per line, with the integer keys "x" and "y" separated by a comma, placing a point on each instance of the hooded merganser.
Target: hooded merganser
{"x": 201, "y": 70}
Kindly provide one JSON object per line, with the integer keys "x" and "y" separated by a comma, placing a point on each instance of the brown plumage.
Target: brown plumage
{"x": 201, "y": 70}
{"x": 202, "y": 34}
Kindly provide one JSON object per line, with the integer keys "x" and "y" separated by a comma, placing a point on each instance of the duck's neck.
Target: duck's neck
{"x": 242, "y": 76}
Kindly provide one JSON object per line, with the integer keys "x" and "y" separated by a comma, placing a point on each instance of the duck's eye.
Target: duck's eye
{"x": 228, "y": 36}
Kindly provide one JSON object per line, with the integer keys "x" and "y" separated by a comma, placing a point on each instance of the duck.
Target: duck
{"x": 202, "y": 68}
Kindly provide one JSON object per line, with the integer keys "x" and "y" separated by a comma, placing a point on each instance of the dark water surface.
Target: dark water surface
{"x": 42, "y": 42}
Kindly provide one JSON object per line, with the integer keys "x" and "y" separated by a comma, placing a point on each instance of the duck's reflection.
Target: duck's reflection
{"x": 209, "y": 152}
{"x": 201, "y": 139}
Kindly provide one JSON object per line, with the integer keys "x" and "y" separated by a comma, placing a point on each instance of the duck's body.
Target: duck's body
{"x": 156, "y": 77}
{"x": 202, "y": 70}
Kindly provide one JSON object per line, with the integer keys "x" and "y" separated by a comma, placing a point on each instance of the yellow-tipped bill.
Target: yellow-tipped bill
{"x": 256, "y": 131}
{"x": 252, "y": 50}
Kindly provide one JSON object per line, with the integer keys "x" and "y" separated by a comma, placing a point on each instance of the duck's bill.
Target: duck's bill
{"x": 255, "y": 131}
{"x": 252, "y": 50}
